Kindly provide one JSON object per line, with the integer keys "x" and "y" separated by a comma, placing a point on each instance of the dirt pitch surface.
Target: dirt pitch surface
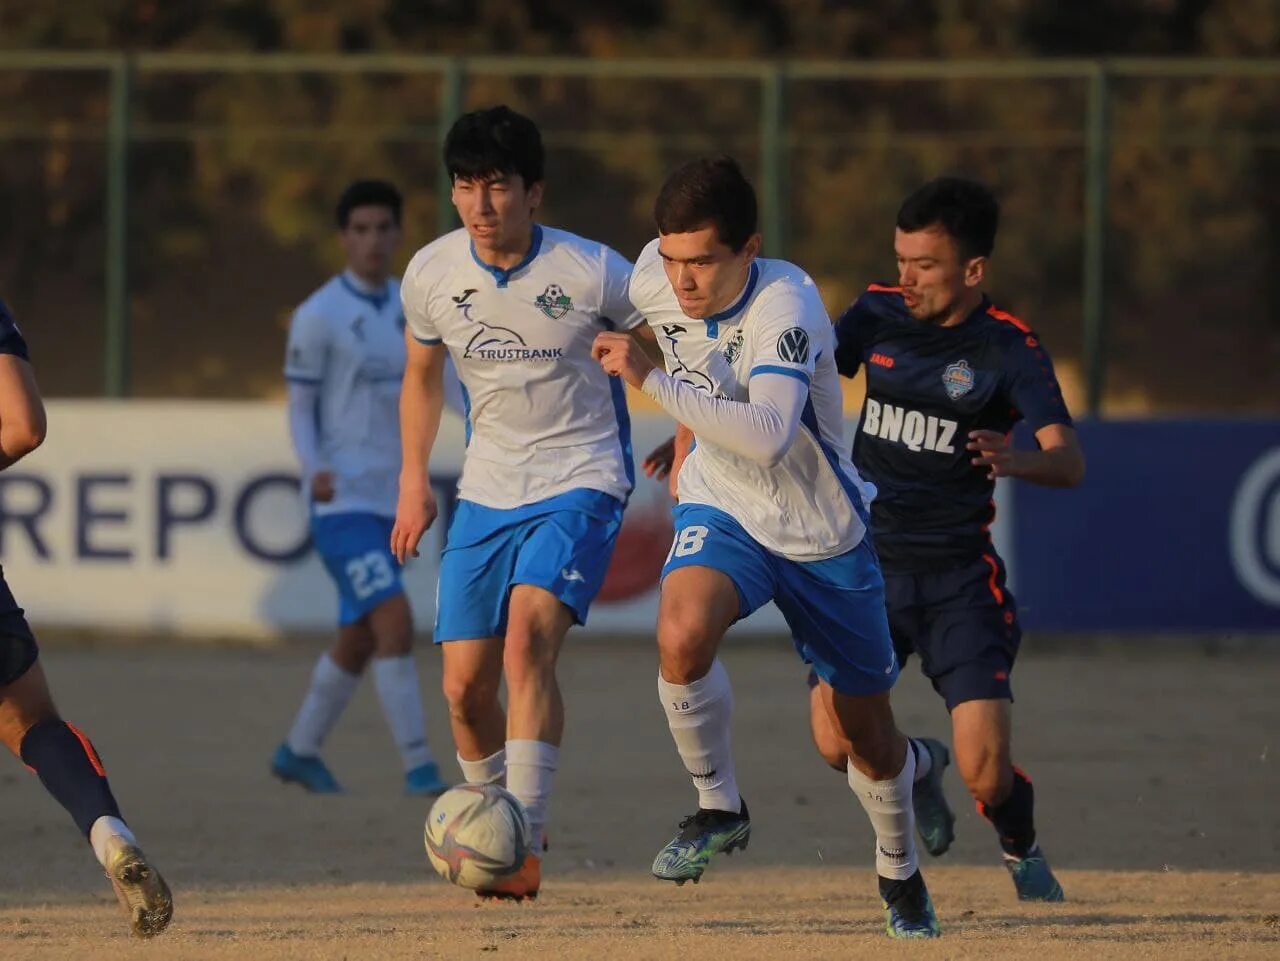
{"x": 1157, "y": 774}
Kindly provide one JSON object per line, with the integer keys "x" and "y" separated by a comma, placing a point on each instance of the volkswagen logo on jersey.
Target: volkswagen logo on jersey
{"x": 554, "y": 302}
{"x": 958, "y": 379}
{"x": 793, "y": 346}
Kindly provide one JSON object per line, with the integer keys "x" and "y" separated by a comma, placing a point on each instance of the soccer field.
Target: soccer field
{"x": 1156, "y": 774}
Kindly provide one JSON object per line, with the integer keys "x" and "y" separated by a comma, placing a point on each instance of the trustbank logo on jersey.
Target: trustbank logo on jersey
{"x": 910, "y": 428}
{"x": 958, "y": 379}
{"x": 494, "y": 342}
{"x": 553, "y": 302}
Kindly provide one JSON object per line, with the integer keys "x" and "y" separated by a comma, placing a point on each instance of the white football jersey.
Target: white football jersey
{"x": 811, "y": 504}
{"x": 542, "y": 416}
{"x": 351, "y": 344}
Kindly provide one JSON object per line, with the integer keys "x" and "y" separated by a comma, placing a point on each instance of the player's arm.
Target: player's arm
{"x": 421, "y": 403}
{"x": 1033, "y": 388}
{"x": 761, "y": 428}
{"x": 647, "y": 341}
{"x": 306, "y": 359}
{"x": 849, "y": 330}
{"x": 1058, "y": 463}
{"x": 665, "y": 460}
{"x": 22, "y": 417}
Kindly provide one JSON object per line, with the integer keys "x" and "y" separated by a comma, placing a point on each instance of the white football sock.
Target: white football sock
{"x": 699, "y": 715}
{"x": 888, "y": 805}
{"x": 330, "y": 692}
{"x": 396, "y": 679}
{"x": 101, "y": 834}
{"x": 487, "y": 770}
{"x": 924, "y": 760}
{"x": 531, "y": 769}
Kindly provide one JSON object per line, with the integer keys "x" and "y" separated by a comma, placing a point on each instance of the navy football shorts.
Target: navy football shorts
{"x": 17, "y": 643}
{"x": 964, "y": 625}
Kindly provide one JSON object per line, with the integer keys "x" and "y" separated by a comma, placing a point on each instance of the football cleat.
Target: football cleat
{"x": 1033, "y": 879}
{"x": 521, "y": 886}
{"x": 908, "y": 908}
{"x": 702, "y": 835}
{"x": 139, "y": 888}
{"x": 310, "y": 772}
{"x": 935, "y": 820}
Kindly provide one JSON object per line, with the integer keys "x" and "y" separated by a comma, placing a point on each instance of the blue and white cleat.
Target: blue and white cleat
{"x": 702, "y": 835}
{"x": 908, "y": 909}
{"x": 310, "y": 772}
{"x": 935, "y": 821}
{"x": 1033, "y": 879}
{"x": 424, "y": 781}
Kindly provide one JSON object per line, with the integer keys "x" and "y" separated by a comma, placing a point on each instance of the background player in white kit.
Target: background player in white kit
{"x": 769, "y": 509}
{"x": 548, "y": 465}
{"x": 345, "y": 359}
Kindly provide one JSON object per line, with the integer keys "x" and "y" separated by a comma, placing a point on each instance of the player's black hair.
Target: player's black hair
{"x": 492, "y": 142}
{"x": 368, "y": 193}
{"x": 712, "y": 190}
{"x": 965, "y": 209}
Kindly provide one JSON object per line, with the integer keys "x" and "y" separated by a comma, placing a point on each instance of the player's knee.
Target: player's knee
{"x": 470, "y": 696}
{"x": 527, "y": 657}
{"x": 686, "y": 647}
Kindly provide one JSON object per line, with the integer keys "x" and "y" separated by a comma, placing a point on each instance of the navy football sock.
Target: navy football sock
{"x": 1014, "y": 818}
{"x": 70, "y": 770}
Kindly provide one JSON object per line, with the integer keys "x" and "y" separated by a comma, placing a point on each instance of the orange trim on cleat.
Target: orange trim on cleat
{"x": 521, "y": 886}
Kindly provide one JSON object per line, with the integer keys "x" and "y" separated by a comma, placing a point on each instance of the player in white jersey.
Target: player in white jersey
{"x": 770, "y": 508}
{"x": 345, "y": 359}
{"x": 548, "y": 465}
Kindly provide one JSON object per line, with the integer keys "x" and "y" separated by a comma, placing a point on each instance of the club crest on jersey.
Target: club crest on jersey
{"x": 734, "y": 348}
{"x": 554, "y": 302}
{"x": 958, "y": 379}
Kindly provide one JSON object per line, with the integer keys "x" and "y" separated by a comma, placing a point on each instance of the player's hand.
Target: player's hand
{"x": 621, "y": 356}
{"x": 322, "y": 489}
{"x": 415, "y": 512}
{"x": 994, "y": 453}
{"x": 658, "y": 464}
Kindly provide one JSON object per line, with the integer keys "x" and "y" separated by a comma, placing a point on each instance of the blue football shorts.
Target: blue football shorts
{"x": 356, "y": 549}
{"x": 834, "y": 607}
{"x": 562, "y": 544}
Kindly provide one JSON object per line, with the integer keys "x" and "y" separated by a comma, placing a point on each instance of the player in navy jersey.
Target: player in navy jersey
{"x": 30, "y": 726}
{"x": 948, "y": 376}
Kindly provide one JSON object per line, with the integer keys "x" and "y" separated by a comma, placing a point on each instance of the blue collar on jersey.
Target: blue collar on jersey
{"x": 503, "y": 277}
{"x": 713, "y": 322}
{"x": 377, "y": 300}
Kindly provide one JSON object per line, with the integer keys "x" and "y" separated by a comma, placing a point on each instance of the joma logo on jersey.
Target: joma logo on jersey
{"x": 554, "y": 302}
{"x": 912, "y": 429}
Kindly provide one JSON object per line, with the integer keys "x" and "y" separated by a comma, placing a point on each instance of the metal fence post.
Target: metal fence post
{"x": 452, "y": 81}
{"x": 773, "y": 161}
{"x": 1097, "y": 171}
{"x": 117, "y": 352}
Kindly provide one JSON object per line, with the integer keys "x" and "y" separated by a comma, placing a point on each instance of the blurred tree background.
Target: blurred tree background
{"x": 232, "y": 175}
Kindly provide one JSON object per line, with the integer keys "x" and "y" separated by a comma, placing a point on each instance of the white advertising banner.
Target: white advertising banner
{"x": 184, "y": 517}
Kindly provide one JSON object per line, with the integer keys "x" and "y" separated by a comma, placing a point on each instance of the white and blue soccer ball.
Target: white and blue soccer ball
{"x": 476, "y": 835}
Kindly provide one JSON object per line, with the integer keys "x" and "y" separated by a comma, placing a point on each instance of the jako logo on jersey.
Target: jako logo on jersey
{"x": 793, "y": 346}
{"x": 553, "y": 302}
{"x": 958, "y": 379}
{"x": 910, "y": 428}
{"x": 492, "y": 342}
{"x": 882, "y": 360}
{"x": 357, "y": 328}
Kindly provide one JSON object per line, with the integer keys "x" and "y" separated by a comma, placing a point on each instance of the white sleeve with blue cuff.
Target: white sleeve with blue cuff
{"x": 761, "y": 429}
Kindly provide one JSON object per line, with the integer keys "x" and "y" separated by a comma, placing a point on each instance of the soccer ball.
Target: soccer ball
{"x": 477, "y": 834}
